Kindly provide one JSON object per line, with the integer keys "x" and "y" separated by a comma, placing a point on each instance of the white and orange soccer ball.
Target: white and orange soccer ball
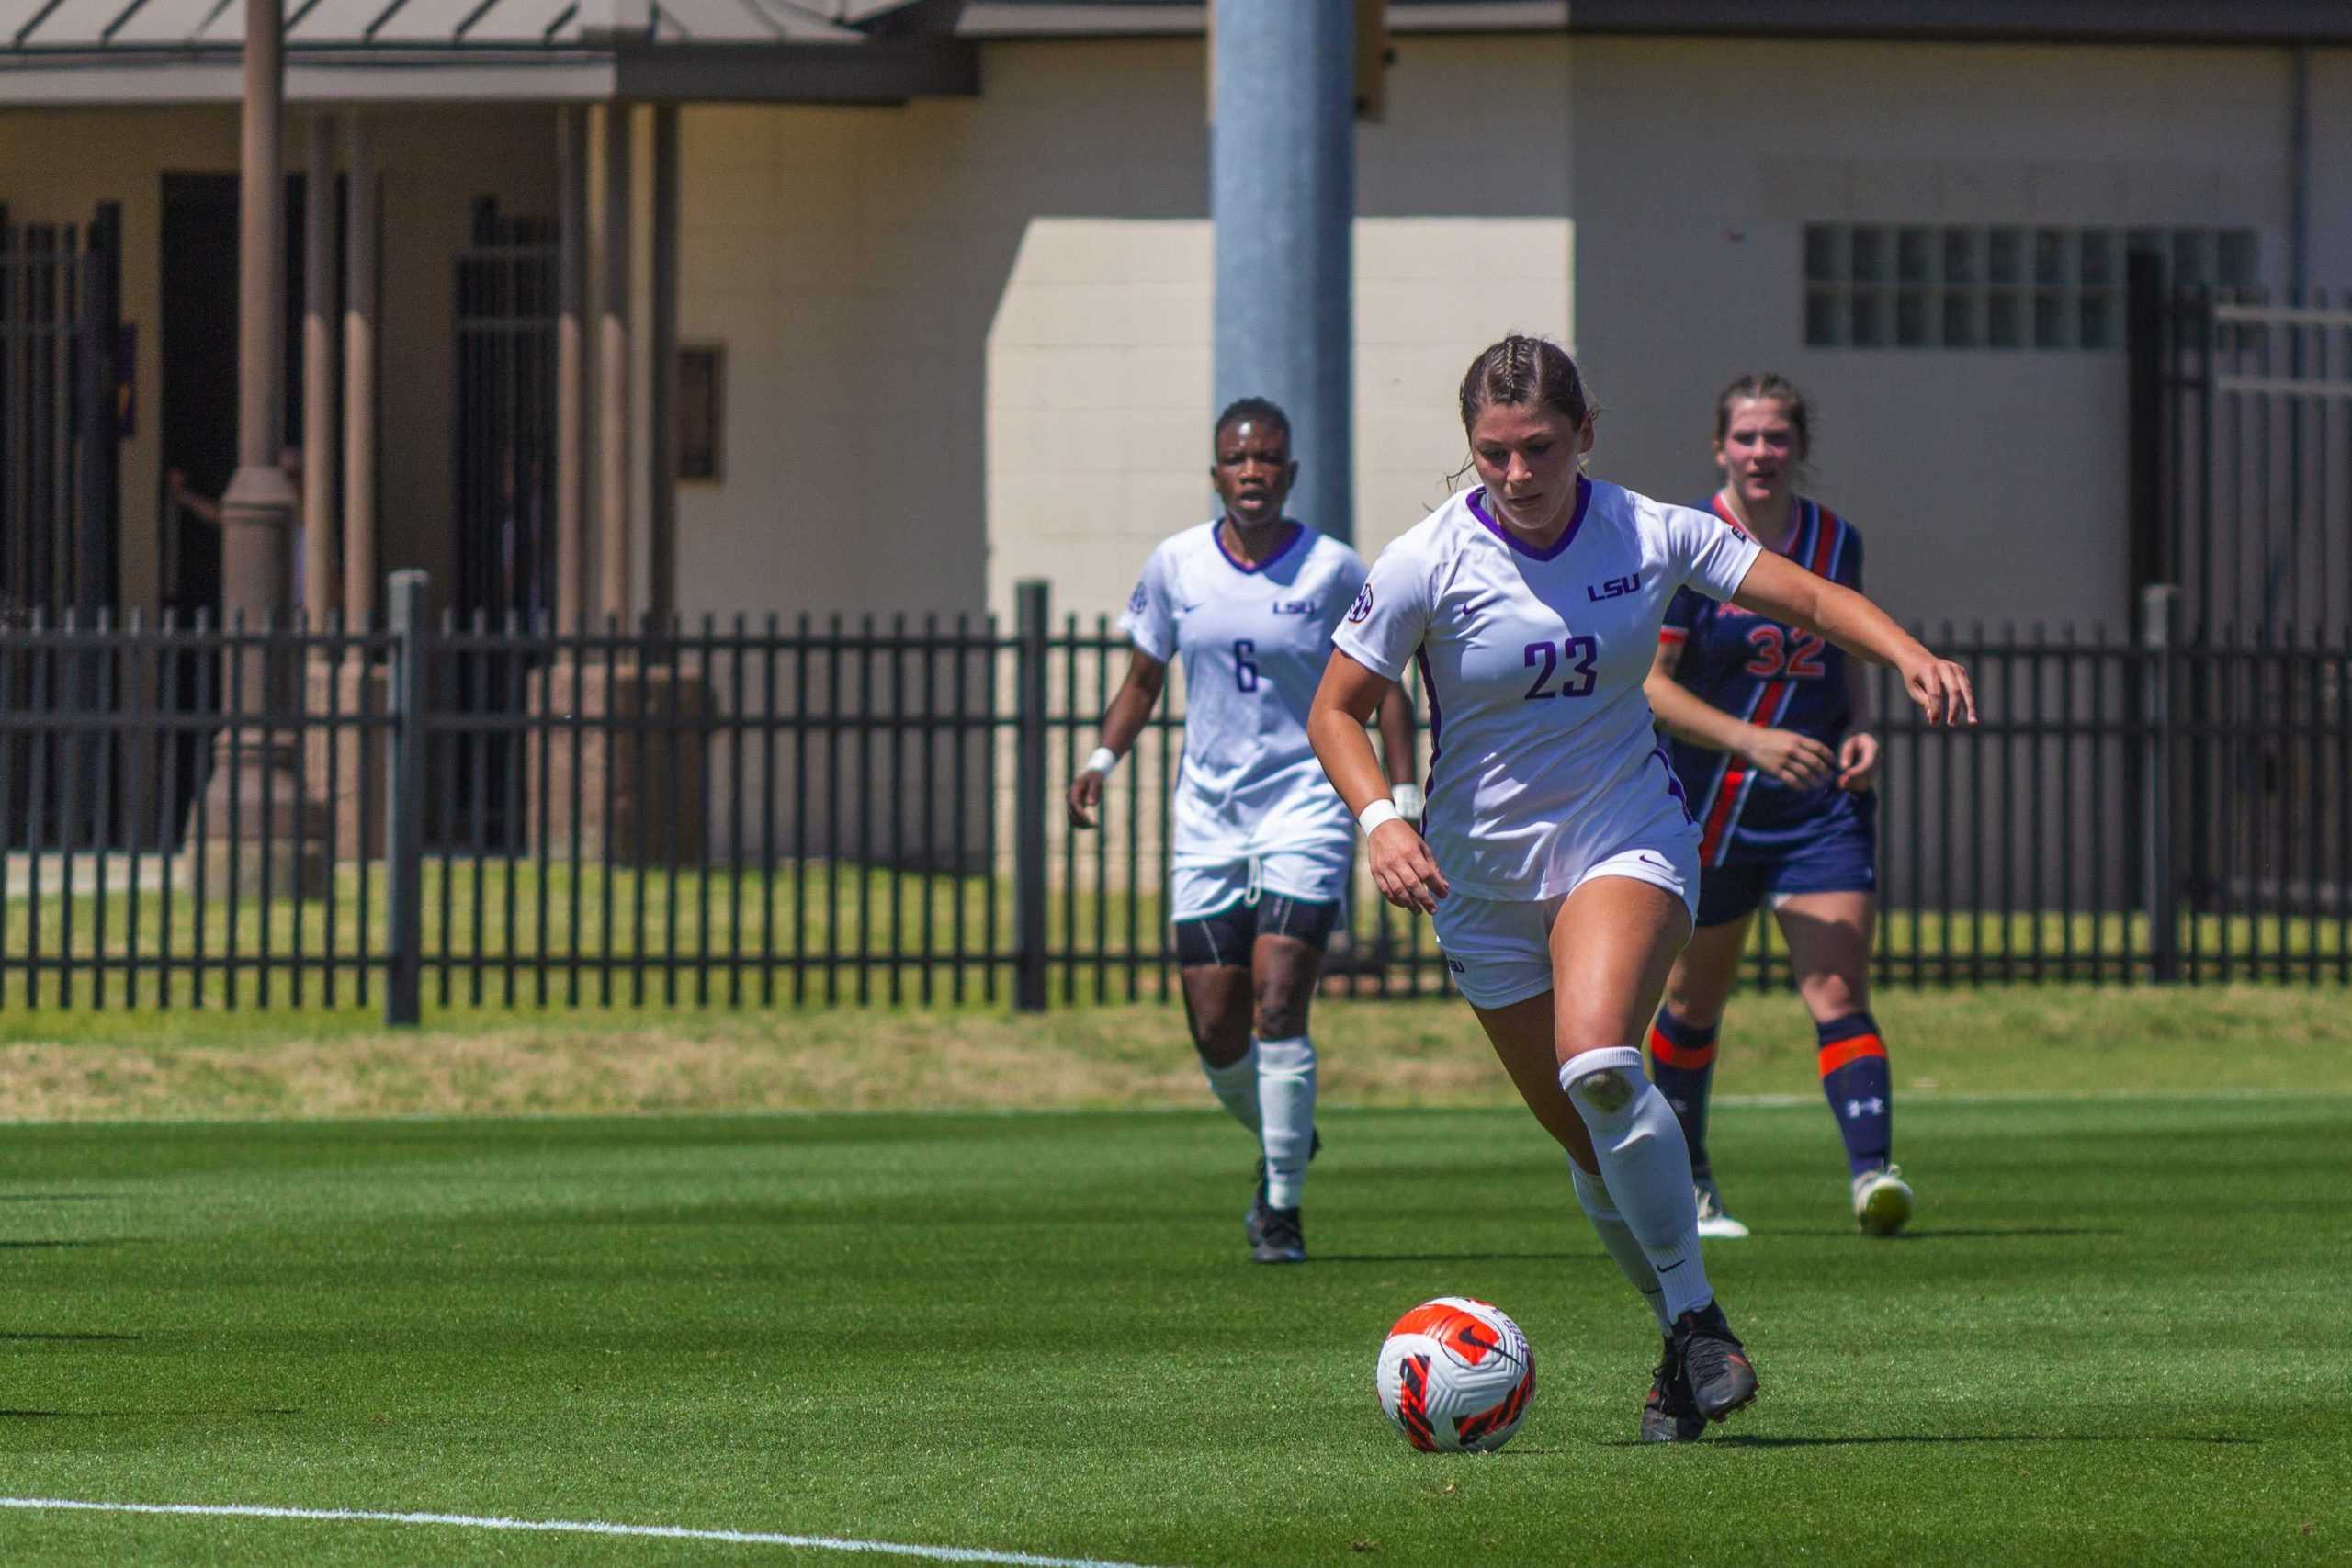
{"x": 1455, "y": 1375}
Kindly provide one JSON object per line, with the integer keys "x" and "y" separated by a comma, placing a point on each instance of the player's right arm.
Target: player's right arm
{"x": 1399, "y": 859}
{"x": 1370, "y": 647}
{"x": 1797, "y": 761}
{"x": 1149, "y": 621}
{"x": 1130, "y": 711}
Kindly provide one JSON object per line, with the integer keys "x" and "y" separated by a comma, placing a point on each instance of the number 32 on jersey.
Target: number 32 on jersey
{"x": 1796, "y": 655}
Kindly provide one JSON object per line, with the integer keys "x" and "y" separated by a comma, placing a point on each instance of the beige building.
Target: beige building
{"x": 963, "y": 317}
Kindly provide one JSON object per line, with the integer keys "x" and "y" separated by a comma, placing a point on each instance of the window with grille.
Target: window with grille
{"x": 1995, "y": 286}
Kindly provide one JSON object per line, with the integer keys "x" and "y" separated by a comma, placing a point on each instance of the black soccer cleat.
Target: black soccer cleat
{"x": 1715, "y": 1364}
{"x": 1254, "y": 1219}
{"x": 1281, "y": 1238}
{"x": 1671, "y": 1415}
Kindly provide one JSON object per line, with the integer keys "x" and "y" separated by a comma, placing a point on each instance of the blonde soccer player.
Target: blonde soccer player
{"x": 1561, "y": 863}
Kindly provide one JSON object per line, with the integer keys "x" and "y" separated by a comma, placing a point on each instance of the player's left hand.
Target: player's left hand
{"x": 1941, "y": 688}
{"x": 1858, "y": 763}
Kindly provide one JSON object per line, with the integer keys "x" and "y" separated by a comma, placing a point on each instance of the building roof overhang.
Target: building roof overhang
{"x": 2086, "y": 21}
{"x": 122, "y": 52}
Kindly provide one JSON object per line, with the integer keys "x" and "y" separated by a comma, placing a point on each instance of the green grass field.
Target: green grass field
{"x": 2113, "y": 1335}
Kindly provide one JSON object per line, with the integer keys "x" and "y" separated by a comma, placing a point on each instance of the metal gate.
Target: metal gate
{"x": 504, "y": 462}
{"x": 61, "y": 291}
{"x": 2242, "y": 496}
{"x": 2242, "y": 440}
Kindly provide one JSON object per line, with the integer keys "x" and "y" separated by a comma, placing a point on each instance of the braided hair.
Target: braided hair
{"x": 1522, "y": 369}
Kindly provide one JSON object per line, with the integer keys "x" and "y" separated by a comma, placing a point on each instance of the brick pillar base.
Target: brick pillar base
{"x": 258, "y": 830}
{"x": 643, "y": 793}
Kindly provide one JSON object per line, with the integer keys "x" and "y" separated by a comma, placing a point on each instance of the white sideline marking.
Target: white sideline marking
{"x": 571, "y": 1526}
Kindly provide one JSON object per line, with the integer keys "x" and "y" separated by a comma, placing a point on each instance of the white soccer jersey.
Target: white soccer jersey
{"x": 1254, "y": 641}
{"x": 1542, "y": 757}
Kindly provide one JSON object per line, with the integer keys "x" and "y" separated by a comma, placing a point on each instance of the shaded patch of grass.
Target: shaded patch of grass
{"x": 345, "y": 1063}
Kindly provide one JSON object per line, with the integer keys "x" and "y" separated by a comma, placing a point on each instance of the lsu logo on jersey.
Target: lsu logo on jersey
{"x": 1613, "y": 588}
{"x": 1361, "y": 608}
{"x": 1293, "y": 606}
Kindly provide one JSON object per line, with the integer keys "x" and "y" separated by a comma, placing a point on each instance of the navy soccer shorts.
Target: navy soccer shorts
{"x": 1837, "y": 854}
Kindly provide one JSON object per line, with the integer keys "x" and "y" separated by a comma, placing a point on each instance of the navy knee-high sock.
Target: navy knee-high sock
{"x": 1683, "y": 1064}
{"x": 1860, "y": 1089}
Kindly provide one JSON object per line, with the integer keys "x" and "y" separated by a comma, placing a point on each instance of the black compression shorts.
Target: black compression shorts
{"x": 1225, "y": 938}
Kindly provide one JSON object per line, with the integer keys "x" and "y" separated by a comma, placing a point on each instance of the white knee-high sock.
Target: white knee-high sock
{"x": 1286, "y": 1111}
{"x": 1646, "y": 1165}
{"x": 1236, "y": 1086}
{"x": 1601, "y": 1210}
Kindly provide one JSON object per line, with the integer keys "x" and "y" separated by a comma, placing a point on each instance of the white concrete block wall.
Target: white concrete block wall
{"x": 1989, "y": 483}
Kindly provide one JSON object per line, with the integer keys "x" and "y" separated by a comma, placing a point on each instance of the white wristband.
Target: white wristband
{"x": 1410, "y": 802}
{"x": 1379, "y": 811}
{"x": 1103, "y": 761}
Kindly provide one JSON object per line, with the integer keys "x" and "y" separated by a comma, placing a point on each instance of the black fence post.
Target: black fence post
{"x": 2159, "y": 639}
{"x": 404, "y": 806}
{"x": 1029, "y": 797}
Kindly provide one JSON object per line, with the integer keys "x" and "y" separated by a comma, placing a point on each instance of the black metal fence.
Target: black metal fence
{"x": 826, "y": 813}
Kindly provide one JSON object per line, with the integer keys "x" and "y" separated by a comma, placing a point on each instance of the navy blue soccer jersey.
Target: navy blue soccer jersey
{"x": 1769, "y": 675}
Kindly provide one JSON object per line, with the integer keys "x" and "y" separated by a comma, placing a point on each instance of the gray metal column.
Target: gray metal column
{"x": 1282, "y": 190}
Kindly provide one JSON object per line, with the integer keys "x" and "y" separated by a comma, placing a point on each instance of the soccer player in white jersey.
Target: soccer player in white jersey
{"x": 1561, "y": 865}
{"x": 1263, "y": 846}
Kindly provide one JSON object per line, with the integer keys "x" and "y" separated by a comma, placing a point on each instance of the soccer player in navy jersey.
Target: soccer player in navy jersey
{"x": 1262, "y": 846}
{"x": 1771, "y": 727}
{"x": 1561, "y": 866}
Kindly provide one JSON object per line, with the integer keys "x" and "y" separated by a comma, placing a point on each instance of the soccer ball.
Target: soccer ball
{"x": 1455, "y": 1375}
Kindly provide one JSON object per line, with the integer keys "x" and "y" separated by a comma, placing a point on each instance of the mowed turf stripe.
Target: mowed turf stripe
{"x": 565, "y": 1526}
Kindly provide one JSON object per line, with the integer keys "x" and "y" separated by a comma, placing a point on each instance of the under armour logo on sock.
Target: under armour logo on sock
{"x": 1874, "y": 1105}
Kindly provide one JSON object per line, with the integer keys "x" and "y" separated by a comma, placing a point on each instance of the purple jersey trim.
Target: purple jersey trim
{"x": 1297, "y": 532}
{"x": 1567, "y": 534}
{"x": 1673, "y": 783}
{"x": 1428, "y": 690}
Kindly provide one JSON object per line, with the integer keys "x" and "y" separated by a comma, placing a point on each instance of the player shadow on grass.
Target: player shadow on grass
{"x": 1962, "y": 1233}
{"x": 1456, "y": 1256}
{"x": 1745, "y": 1440}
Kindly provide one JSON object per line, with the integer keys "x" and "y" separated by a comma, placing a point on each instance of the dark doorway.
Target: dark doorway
{"x": 505, "y": 449}
{"x": 198, "y": 349}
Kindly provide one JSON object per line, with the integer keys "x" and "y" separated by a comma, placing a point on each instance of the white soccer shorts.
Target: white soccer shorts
{"x": 1313, "y": 872}
{"x": 1500, "y": 951}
